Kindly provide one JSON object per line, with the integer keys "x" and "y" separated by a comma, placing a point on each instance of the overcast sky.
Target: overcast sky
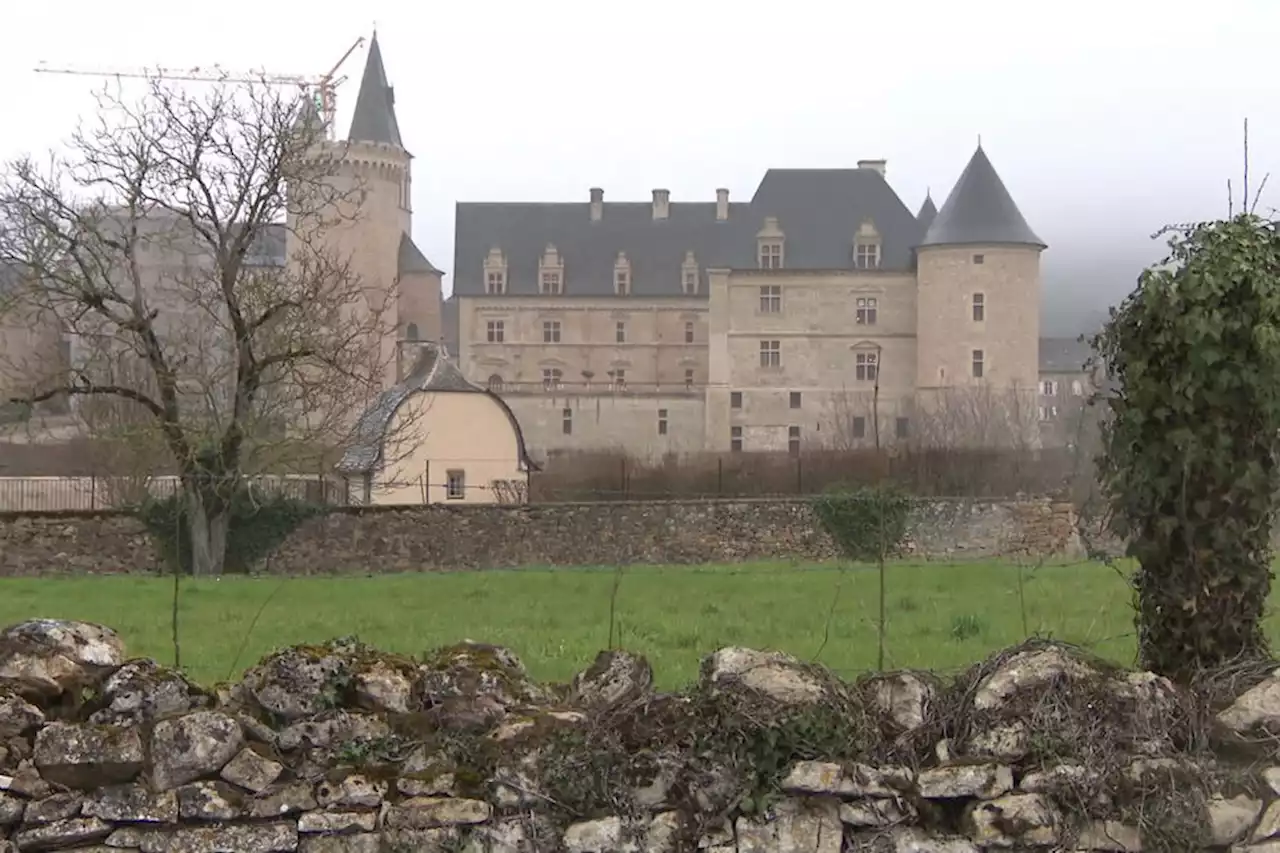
{"x": 1105, "y": 119}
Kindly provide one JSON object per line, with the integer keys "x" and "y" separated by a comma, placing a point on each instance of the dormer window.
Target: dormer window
{"x": 551, "y": 273}
{"x": 770, "y": 243}
{"x": 495, "y": 272}
{"x": 866, "y": 247}
{"x": 689, "y": 274}
{"x": 622, "y": 275}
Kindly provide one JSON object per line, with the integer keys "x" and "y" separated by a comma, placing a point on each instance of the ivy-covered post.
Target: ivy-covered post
{"x": 1189, "y": 448}
{"x": 868, "y": 525}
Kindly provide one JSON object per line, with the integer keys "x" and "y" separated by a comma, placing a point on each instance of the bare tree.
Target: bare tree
{"x": 148, "y": 240}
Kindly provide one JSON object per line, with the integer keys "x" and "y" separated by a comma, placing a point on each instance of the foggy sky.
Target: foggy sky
{"x": 1106, "y": 120}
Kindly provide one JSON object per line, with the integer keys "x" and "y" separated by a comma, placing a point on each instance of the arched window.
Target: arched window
{"x": 412, "y": 332}
{"x": 495, "y": 382}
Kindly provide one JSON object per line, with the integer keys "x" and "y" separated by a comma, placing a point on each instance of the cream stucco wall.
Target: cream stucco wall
{"x": 439, "y": 432}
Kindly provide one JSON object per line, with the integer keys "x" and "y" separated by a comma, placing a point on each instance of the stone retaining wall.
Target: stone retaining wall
{"x": 338, "y": 748}
{"x": 443, "y": 537}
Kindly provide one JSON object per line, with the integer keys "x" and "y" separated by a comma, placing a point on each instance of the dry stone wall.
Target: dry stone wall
{"x": 339, "y": 747}
{"x": 427, "y": 538}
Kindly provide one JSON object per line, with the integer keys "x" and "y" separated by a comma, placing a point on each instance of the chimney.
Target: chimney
{"x": 597, "y": 204}
{"x": 722, "y": 204}
{"x": 874, "y": 165}
{"x": 661, "y": 204}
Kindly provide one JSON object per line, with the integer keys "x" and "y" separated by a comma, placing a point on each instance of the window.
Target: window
{"x": 455, "y": 485}
{"x": 770, "y": 255}
{"x": 901, "y": 427}
{"x": 735, "y": 399}
{"x": 551, "y": 331}
{"x": 979, "y": 307}
{"x": 859, "y": 427}
{"x": 866, "y": 256}
{"x": 793, "y": 440}
{"x": 770, "y": 299}
{"x": 688, "y": 333}
{"x": 619, "y": 380}
{"x": 551, "y": 282}
{"x": 620, "y": 332}
{"x": 566, "y": 421}
{"x": 795, "y": 399}
{"x": 495, "y": 282}
{"x": 866, "y": 366}
{"x": 495, "y": 382}
{"x": 412, "y": 332}
{"x": 688, "y": 380}
{"x": 1077, "y": 388}
{"x": 621, "y": 282}
{"x": 551, "y": 377}
{"x": 662, "y": 421}
{"x": 495, "y": 331}
{"x": 979, "y": 366}
{"x": 866, "y": 310}
{"x": 771, "y": 353}
{"x": 1048, "y": 412}
{"x": 1049, "y": 388}
{"x": 690, "y": 281}
{"x": 979, "y": 259}
{"x": 735, "y": 439}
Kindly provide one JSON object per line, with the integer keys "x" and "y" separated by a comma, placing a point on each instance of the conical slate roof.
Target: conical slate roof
{"x": 411, "y": 259}
{"x": 375, "y": 115}
{"x": 980, "y": 211}
{"x": 928, "y": 212}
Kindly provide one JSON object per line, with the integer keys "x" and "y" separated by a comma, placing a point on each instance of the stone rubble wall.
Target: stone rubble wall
{"x": 426, "y": 538}
{"x": 99, "y": 753}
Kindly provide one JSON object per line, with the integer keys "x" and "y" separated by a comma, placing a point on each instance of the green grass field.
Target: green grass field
{"x": 942, "y": 616}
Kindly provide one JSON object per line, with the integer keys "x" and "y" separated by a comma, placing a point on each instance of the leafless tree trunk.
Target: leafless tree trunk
{"x": 148, "y": 239}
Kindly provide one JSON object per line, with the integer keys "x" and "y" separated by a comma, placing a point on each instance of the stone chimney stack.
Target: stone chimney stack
{"x": 873, "y": 165}
{"x": 722, "y": 204}
{"x": 661, "y": 204}
{"x": 597, "y": 204}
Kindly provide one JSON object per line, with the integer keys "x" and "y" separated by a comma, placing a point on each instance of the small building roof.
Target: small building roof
{"x": 433, "y": 371}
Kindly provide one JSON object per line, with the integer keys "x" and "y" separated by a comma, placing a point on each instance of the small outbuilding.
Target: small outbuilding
{"x": 437, "y": 438}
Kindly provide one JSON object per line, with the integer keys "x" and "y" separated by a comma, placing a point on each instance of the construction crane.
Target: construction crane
{"x": 324, "y": 85}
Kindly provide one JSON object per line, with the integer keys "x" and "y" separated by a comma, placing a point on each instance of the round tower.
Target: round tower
{"x": 978, "y": 289}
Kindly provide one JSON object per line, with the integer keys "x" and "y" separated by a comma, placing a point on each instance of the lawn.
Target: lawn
{"x": 942, "y": 616}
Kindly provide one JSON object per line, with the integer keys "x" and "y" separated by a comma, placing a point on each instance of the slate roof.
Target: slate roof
{"x": 980, "y": 211}
{"x": 928, "y": 212}
{"x": 375, "y": 114}
{"x": 1064, "y": 355}
{"x": 411, "y": 259}
{"x": 819, "y": 211}
{"x": 433, "y": 371}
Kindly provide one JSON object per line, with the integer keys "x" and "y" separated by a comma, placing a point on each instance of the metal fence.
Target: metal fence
{"x": 45, "y": 494}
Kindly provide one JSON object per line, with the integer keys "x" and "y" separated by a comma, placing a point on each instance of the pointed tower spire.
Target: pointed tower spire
{"x": 928, "y": 212}
{"x": 375, "y": 115}
{"x": 980, "y": 211}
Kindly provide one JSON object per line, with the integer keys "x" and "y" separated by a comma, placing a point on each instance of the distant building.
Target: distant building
{"x": 437, "y": 438}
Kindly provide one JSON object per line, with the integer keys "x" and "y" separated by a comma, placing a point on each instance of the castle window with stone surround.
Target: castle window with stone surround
{"x": 688, "y": 332}
{"x": 769, "y": 244}
{"x": 689, "y": 274}
{"x": 662, "y": 421}
{"x": 551, "y": 331}
{"x": 566, "y": 421}
{"x": 866, "y": 366}
{"x": 771, "y": 299}
{"x": 866, "y": 309}
{"x": 793, "y": 440}
{"x": 979, "y": 364}
{"x": 620, "y": 332}
{"x": 495, "y": 383}
{"x": 455, "y": 485}
{"x": 495, "y": 331}
{"x": 495, "y": 273}
{"x": 551, "y": 273}
{"x": 622, "y": 275}
{"x": 771, "y": 354}
{"x": 688, "y": 380}
{"x": 735, "y": 439}
{"x": 866, "y": 246}
{"x": 552, "y": 378}
{"x": 979, "y": 307}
